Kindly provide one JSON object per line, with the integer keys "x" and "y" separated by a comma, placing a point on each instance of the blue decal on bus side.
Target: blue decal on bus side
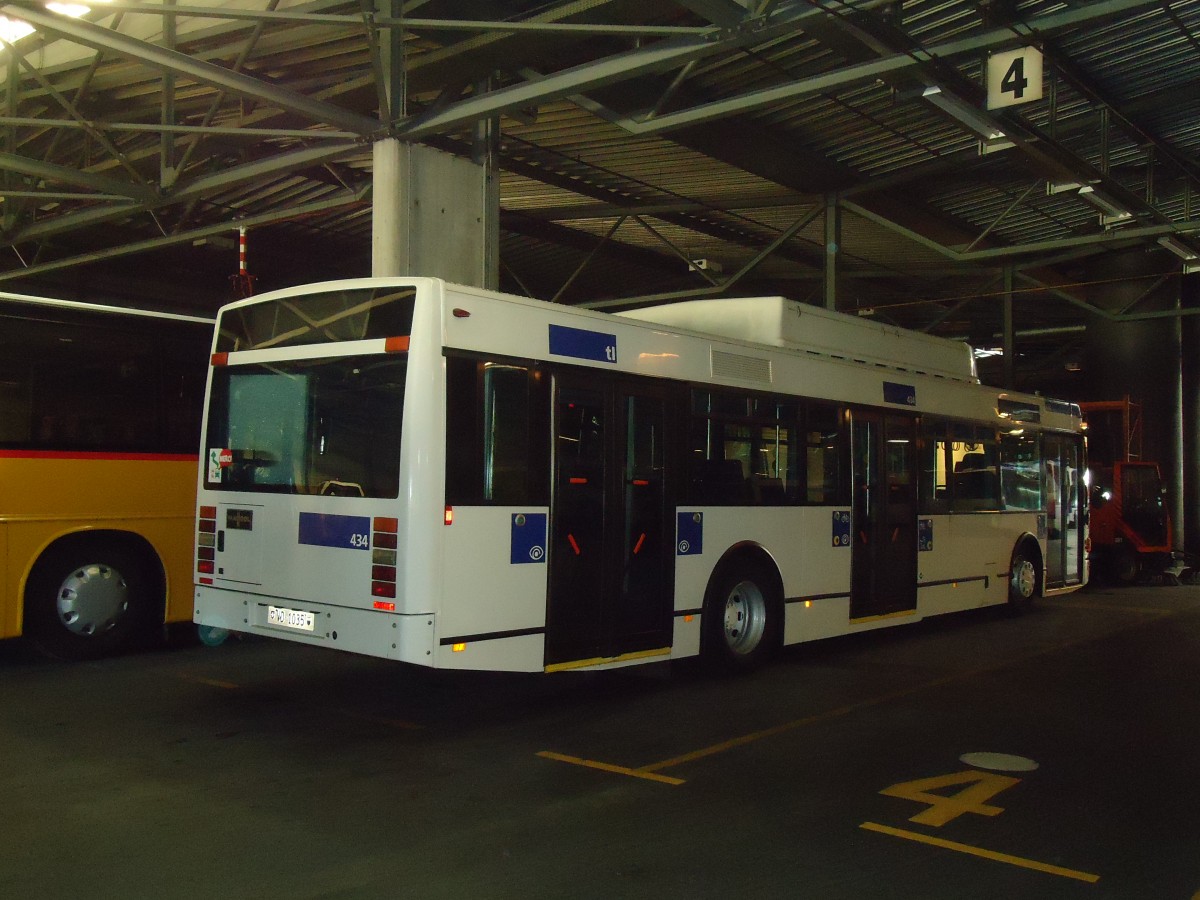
{"x": 903, "y": 394}
{"x": 528, "y": 544}
{"x": 841, "y": 528}
{"x": 344, "y": 532}
{"x": 581, "y": 344}
{"x": 924, "y": 535}
{"x": 689, "y": 540}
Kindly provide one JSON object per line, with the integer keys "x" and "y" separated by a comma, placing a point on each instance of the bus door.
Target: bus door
{"x": 1062, "y": 472}
{"x": 884, "y": 533}
{"x": 611, "y": 531}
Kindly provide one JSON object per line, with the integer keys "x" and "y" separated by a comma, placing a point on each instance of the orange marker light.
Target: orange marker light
{"x": 449, "y": 515}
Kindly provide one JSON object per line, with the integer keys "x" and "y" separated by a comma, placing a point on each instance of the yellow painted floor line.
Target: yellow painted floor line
{"x": 774, "y": 730}
{"x": 211, "y": 682}
{"x": 1104, "y": 607}
{"x": 380, "y": 720}
{"x": 884, "y": 698}
{"x": 981, "y": 852}
{"x": 608, "y": 767}
{"x": 651, "y": 770}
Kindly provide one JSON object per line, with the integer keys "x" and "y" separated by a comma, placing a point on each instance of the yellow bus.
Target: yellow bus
{"x": 99, "y": 425}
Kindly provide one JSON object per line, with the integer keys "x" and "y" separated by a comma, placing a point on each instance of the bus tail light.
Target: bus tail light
{"x": 396, "y": 344}
{"x": 384, "y": 536}
{"x": 206, "y": 542}
{"x": 220, "y": 359}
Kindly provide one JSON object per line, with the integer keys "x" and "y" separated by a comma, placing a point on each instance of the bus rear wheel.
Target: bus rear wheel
{"x": 86, "y": 599}
{"x": 741, "y": 619}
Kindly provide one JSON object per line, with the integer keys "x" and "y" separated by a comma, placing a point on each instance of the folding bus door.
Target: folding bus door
{"x": 611, "y": 529}
{"x": 1062, "y": 471}
{"x": 884, "y": 532}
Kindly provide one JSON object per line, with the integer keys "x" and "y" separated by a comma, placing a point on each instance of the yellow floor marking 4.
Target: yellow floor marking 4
{"x": 981, "y": 852}
{"x": 945, "y": 808}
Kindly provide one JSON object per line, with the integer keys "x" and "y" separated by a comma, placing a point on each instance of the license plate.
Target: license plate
{"x": 299, "y": 619}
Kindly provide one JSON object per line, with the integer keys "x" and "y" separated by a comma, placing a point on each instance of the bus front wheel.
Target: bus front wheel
{"x": 741, "y": 619}
{"x": 1022, "y": 580}
{"x": 86, "y": 599}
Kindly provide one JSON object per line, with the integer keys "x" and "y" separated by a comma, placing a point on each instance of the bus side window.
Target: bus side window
{"x": 505, "y": 433}
{"x": 823, "y": 455}
{"x": 976, "y": 475}
{"x": 1020, "y": 476}
{"x": 495, "y": 451}
{"x": 934, "y": 453}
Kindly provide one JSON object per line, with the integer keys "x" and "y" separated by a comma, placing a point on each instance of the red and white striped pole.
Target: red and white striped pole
{"x": 242, "y": 252}
{"x": 243, "y": 281}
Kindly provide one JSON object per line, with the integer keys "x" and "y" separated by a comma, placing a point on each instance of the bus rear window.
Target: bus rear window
{"x": 319, "y": 318}
{"x": 324, "y": 426}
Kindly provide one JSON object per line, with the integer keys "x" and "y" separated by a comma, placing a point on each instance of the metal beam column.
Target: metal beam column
{"x": 833, "y": 246}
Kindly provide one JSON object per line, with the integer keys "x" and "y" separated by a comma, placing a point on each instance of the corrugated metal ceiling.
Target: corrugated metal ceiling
{"x": 632, "y": 136}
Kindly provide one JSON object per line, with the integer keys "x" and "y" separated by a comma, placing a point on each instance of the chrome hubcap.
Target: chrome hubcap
{"x": 92, "y": 599}
{"x": 1024, "y": 578}
{"x": 745, "y": 617}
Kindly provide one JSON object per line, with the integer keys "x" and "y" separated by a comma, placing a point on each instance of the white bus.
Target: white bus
{"x": 458, "y": 478}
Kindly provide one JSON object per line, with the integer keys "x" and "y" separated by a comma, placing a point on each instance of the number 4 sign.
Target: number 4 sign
{"x": 1014, "y": 77}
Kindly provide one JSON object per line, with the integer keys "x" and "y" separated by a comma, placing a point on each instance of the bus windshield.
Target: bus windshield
{"x": 325, "y": 426}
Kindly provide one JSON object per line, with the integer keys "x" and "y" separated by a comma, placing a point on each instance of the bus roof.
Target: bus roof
{"x": 779, "y": 322}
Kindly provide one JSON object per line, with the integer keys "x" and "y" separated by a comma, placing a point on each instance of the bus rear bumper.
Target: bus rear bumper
{"x": 388, "y": 635}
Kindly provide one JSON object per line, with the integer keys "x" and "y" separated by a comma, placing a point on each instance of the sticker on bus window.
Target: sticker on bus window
{"x": 689, "y": 539}
{"x": 528, "y": 542}
{"x": 218, "y": 458}
{"x": 841, "y": 528}
{"x": 924, "y": 535}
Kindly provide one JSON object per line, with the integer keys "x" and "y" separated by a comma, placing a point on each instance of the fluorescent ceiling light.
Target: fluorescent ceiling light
{"x": 1104, "y": 204}
{"x": 1179, "y": 248}
{"x": 963, "y": 112}
{"x": 12, "y": 30}
{"x": 73, "y": 10}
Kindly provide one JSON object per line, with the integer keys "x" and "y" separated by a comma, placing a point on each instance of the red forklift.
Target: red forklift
{"x": 1131, "y": 532}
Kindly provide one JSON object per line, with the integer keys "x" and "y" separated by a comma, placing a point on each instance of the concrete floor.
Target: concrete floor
{"x": 262, "y": 770}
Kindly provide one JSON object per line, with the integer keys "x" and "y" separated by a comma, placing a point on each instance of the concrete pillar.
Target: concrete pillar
{"x": 389, "y": 246}
{"x": 433, "y": 214}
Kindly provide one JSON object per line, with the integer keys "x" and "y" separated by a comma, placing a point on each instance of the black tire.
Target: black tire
{"x": 1024, "y": 579}
{"x": 1124, "y": 567}
{"x": 742, "y": 623}
{"x": 87, "y": 598}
